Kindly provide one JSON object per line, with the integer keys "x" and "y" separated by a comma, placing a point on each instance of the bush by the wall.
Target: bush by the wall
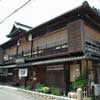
{"x": 45, "y": 89}
{"x": 29, "y": 87}
{"x": 80, "y": 82}
{"x": 55, "y": 91}
{"x": 39, "y": 87}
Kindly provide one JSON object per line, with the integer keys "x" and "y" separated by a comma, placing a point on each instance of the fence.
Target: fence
{"x": 87, "y": 93}
{"x": 79, "y": 95}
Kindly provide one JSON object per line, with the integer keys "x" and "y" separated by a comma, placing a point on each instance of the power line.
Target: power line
{"x": 14, "y": 11}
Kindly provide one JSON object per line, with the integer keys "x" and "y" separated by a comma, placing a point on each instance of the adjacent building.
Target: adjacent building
{"x": 55, "y": 52}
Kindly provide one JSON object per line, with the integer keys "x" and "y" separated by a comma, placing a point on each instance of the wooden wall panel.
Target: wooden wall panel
{"x": 92, "y": 34}
{"x": 58, "y": 37}
{"x": 75, "y": 36}
{"x": 55, "y": 77}
{"x": 84, "y": 66}
{"x": 22, "y": 39}
{"x": 10, "y": 51}
{"x": 41, "y": 74}
{"x": 26, "y": 46}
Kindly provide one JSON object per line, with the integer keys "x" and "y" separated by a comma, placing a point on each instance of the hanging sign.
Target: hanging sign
{"x": 23, "y": 72}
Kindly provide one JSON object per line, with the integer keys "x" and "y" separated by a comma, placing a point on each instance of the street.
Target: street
{"x": 6, "y": 95}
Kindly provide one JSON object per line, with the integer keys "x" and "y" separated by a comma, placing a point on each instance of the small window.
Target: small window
{"x": 18, "y": 42}
{"x": 30, "y": 37}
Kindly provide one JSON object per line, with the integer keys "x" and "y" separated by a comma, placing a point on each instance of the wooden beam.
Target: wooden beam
{"x": 66, "y": 78}
{"x": 31, "y": 48}
{"x": 17, "y": 49}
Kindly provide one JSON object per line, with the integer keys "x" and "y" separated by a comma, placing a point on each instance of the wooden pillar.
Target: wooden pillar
{"x": 80, "y": 67}
{"x": 84, "y": 66}
{"x": 31, "y": 48}
{"x": 17, "y": 49}
{"x": 66, "y": 78}
{"x": 65, "y": 81}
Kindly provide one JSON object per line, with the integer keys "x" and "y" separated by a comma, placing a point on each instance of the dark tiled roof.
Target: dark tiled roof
{"x": 84, "y": 9}
{"x": 17, "y": 27}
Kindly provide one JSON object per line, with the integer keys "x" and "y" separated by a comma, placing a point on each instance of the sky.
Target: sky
{"x": 35, "y": 12}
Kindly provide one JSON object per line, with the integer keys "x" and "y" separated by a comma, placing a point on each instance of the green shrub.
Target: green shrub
{"x": 45, "y": 89}
{"x": 29, "y": 87}
{"x": 39, "y": 87}
{"x": 55, "y": 91}
{"x": 80, "y": 82}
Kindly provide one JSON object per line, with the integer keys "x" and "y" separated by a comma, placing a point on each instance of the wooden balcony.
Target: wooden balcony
{"x": 40, "y": 53}
{"x": 47, "y": 52}
{"x": 92, "y": 48}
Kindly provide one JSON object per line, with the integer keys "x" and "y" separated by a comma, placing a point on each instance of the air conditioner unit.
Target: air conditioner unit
{"x": 97, "y": 89}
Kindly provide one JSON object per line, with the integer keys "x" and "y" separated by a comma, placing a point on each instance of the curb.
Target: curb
{"x": 8, "y": 87}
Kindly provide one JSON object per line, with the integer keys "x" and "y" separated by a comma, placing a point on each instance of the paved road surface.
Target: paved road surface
{"x": 6, "y": 95}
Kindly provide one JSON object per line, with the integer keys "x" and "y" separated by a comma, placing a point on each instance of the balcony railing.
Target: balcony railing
{"x": 47, "y": 51}
{"x": 93, "y": 49}
{"x": 39, "y": 52}
{"x": 10, "y": 59}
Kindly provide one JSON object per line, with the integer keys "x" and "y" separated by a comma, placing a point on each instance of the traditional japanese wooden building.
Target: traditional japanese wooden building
{"x": 55, "y": 52}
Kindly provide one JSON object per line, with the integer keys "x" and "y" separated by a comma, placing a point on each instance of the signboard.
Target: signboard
{"x": 23, "y": 72}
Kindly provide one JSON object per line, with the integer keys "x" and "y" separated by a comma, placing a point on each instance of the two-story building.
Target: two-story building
{"x": 55, "y": 52}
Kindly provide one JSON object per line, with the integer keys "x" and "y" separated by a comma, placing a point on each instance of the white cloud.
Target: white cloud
{"x": 36, "y": 12}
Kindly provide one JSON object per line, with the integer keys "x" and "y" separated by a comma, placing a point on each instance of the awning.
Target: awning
{"x": 57, "y": 60}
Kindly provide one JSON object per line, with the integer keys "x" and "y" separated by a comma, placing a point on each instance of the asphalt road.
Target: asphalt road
{"x": 6, "y": 95}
